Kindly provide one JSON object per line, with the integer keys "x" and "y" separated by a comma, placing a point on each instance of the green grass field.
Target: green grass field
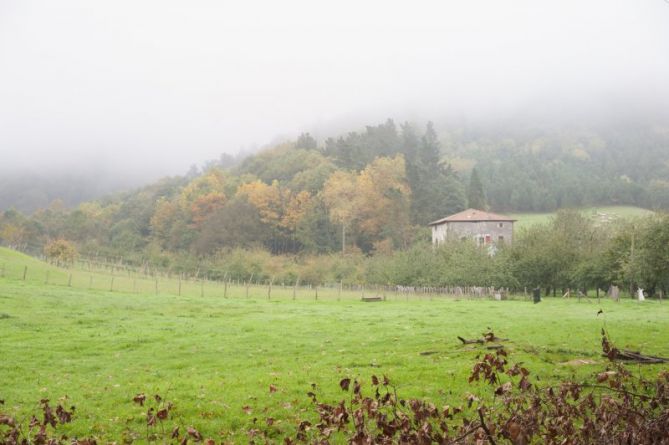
{"x": 213, "y": 356}
{"x": 598, "y": 214}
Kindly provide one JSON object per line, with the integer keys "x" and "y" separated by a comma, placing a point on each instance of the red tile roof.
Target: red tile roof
{"x": 472, "y": 215}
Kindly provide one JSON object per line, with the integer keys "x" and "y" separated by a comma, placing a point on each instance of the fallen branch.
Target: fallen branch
{"x": 488, "y": 337}
{"x": 637, "y": 357}
{"x": 469, "y": 342}
{"x": 428, "y": 352}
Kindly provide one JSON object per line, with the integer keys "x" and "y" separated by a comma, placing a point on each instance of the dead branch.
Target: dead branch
{"x": 487, "y": 338}
{"x": 637, "y": 357}
{"x": 470, "y": 342}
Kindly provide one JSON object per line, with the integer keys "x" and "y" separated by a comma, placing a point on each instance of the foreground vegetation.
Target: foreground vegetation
{"x": 224, "y": 362}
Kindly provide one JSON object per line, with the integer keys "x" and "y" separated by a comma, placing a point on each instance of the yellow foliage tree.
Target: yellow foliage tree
{"x": 60, "y": 251}
{"x": 204, "y": 206}
{"x": 384, "y": 199}
{"x": 278, "y": 207}
{"x": 297, "y": 206}
{"x": 375, "y": 202}
{"x": 162, "y": 218}
{"x": 12, "y": 234}
{"x": 265, "y": 198}
{"x": 213, "y": 181}
{"x": 340, "y": 197}
{"x": 93, "y": 210}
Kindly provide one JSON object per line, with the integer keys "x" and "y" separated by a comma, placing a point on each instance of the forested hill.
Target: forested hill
{"x": 373, "y": 190}
{"x": 547, "y": 168}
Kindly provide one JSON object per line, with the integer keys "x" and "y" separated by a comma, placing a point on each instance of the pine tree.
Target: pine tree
{"x": 436, "y": 190}
{"x": 429, "y": 151}
{"x": 475, "y": 193}
{"x": 306, "y": 141}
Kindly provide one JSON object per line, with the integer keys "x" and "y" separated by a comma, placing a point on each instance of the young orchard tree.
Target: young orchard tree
{"x": 60, "y": 251}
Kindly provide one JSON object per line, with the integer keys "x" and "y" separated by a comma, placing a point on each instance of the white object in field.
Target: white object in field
{"x": 640, "y": 294}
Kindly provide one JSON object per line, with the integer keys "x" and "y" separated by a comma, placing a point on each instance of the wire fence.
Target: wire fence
{"x": 118, "y": 277}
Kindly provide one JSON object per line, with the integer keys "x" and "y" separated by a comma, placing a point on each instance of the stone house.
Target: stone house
{"x": 484, "y": 228}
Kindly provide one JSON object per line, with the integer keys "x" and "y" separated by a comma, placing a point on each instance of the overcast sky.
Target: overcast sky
{"x": 159, "y": 85}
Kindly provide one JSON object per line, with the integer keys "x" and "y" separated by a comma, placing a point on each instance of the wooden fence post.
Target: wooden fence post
{"x": 225, "y": 289}
{"x": 111, "y": 286}
{"x": 248, "y": 283}
{"x": 297, "y": 282}
{"x": 316, "y": 294}
{"x": 269, "y": 288}
{"x": 156, "y": 284}
{"x": 25, "y": 272}
{"x": 69, "y": 280}
{"x": 179, "y": 284}
{"x": 201, "y": 288}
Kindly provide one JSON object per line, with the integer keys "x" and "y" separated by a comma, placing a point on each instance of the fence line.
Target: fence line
{"x": 113, "y": 277}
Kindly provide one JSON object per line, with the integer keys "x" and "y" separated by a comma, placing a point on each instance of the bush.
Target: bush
{"x": 60, "y": 251}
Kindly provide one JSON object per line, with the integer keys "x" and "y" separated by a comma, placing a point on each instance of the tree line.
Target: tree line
{"x": 365, "y": 194}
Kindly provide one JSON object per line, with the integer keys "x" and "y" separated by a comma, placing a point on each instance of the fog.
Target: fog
{"x": 147, "y": 88}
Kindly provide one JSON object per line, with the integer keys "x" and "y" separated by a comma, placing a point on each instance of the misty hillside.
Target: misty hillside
{"x": 376, "y": 188}
{"x": 524, "y": 165}
{"x": 28, "y": 192}
{"x": 544, "y": 168}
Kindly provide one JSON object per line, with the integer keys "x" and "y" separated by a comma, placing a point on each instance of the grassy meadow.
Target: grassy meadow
{"x": 606, "y": 214}
{"x": 215, "y": 358}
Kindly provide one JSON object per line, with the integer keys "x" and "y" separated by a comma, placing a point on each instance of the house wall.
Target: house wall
{"x": 439, "y": 233}
{"x": 473, "y": 230}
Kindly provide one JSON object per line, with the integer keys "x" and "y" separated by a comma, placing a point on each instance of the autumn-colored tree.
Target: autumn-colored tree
{"x": 237, "y": 224}
{"x": 60, "y": 251}
{"x": 266, "y": 198}
{"x": 375, "y": 203}
{"x": 206, "y": 205}
{"x": 213, "y": 181}
{"x": 278, "y": 206}
{"x": 163, "y": 218}
{"x": 12, "y": 234}
{"x": 296, "y": 208}
{"x": 384, "y": 199}
{"x": 339, "y": 195}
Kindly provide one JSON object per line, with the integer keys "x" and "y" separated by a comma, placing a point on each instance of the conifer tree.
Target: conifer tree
{"x": 475, "y": 194}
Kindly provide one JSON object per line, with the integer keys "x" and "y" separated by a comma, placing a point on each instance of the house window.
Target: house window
{"x": 488, "y": 239}
{"x": 500, "y": 225}
{"x": 500, "y": 239}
